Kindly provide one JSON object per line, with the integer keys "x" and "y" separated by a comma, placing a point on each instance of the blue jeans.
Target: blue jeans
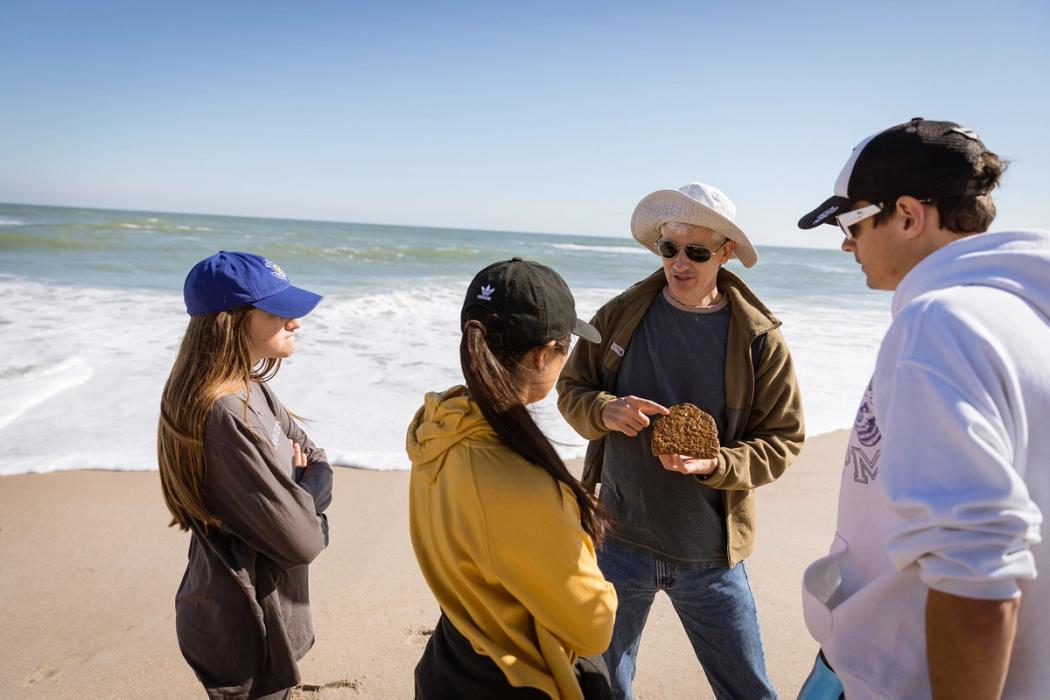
{"x": 717, "y": 610}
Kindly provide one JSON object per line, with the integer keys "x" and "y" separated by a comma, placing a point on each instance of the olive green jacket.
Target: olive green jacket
{"x": 764, "y": 423}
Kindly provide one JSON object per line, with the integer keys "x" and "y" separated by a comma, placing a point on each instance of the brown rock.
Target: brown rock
{"x": 685, "y": 431}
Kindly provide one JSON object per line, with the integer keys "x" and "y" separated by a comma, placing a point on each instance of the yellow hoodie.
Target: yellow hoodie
{"x": 500, "y": 544}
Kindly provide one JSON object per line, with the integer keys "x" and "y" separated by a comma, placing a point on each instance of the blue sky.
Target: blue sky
{"x": 551, "y": 117}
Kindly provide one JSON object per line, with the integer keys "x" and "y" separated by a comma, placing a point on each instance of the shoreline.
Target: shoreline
{"x": 90, "y": 573}
{"x": 569, "y": 461}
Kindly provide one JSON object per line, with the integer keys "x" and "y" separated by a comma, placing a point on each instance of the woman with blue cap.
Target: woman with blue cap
{"x": 241, "y": 475}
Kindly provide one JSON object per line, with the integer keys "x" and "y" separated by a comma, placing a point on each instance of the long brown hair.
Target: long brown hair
{"x": 490, "y": 368}
{"x": 214, "y": 360}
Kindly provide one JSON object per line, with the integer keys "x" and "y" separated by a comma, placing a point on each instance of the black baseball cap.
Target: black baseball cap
{"x": 922, "y": 158}
{"x": 532, "y": 301}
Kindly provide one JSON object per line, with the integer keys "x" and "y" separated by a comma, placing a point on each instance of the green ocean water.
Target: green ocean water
{"x": 154, "y": 250}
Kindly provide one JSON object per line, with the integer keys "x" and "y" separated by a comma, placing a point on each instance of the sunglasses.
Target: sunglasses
{"x": 696, "y": 253}
{"x": 850, "y": 219}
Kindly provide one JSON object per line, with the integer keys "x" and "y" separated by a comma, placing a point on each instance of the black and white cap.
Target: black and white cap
{"x": 531, "y": 301}
{"x": 922, "y": 158}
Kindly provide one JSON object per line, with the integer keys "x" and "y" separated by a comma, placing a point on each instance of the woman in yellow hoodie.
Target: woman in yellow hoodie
{"x": 503, "y": 533}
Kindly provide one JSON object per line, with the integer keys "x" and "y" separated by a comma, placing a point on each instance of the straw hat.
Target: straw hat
{"x": 697, "y": 204}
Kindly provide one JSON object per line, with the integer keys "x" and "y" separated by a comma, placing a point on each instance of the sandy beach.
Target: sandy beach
{"x": 89, "y": 573}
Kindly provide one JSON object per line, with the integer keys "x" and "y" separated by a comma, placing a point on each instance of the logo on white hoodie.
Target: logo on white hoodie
{"x": 863, "y": 453}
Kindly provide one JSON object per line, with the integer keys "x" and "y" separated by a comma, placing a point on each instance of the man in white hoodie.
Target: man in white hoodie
{"x": 930, "y": 588}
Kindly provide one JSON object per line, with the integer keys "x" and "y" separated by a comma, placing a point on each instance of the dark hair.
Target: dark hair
{"x": 972, "y": 213}
{"x": 488, "y": 363}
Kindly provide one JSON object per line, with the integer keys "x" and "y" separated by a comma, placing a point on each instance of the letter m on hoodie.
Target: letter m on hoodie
{"x": 865, "y": 470}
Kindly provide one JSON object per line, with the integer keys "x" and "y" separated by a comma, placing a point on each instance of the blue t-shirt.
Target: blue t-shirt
{"x": 677, "y": 355}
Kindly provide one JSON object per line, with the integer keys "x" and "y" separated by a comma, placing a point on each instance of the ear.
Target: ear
{"x": 539, "y": 357}
{"x": 727, "y": 251}
{"x": 912, "y": 216}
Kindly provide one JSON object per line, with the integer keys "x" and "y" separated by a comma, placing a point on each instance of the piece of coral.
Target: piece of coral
{"x": 687, "y": 430}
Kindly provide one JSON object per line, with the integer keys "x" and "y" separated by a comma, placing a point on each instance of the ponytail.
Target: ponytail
{"x": 488, "y": 366}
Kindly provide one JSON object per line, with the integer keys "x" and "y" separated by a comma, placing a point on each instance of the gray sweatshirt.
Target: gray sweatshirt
{"x": 242, "y": 612}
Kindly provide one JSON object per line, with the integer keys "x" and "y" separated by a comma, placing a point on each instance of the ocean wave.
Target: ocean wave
{"x": 25, "y": 295}
{"x": 398, "y": 253}
{"x": 147, "y": 226}
{"x": 619, "y": 249}
{"x": 801, "y": 268}
{"x": 13, "y": 222}
{"x": 22, "y": 241}
{"x": 414, "y": 302}
{"x": 25, "y": 387}
{"x": 117, "y": 236}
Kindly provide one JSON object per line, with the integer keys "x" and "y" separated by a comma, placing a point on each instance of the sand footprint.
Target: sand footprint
{"x": 40, "y": 674}
{"x": 419, "y": 635}
{"x": 329, "y": 691}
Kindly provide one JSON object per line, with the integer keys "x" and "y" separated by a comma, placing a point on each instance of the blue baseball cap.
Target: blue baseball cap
{"x": 228, "y": 280}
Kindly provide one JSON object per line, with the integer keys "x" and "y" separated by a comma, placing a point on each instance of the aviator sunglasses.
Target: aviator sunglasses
{"x": 696, "y": 253}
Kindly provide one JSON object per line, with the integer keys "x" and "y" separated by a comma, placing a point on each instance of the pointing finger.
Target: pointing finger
{"x": 645, "y": 406}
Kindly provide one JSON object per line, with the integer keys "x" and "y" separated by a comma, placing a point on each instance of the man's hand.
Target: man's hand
{"x": 630, "y": 414}
{"x": 688, "y": 465}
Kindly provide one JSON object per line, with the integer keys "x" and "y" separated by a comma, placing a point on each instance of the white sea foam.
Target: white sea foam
{"x": 25, "y": 387}
{"x": 13, "y": 222}
{"x": 834, "y": 353}
{"x": 98, "y": 359}
{"x": 89, "y": 364}
{"x": 372, "y": 357}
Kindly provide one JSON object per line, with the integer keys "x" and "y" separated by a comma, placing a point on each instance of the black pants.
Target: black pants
{"x": 451, "y": 669}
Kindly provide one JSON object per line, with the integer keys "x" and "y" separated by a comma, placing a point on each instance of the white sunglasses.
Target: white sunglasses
{"x": 851, "y": 218}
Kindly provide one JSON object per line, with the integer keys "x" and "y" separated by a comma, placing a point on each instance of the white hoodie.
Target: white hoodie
{"x": 947, "y": 473}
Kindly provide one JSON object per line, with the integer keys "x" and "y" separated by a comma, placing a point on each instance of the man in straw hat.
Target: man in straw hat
{"x": 937, "y": 583}
{"x": 690, "y": 332}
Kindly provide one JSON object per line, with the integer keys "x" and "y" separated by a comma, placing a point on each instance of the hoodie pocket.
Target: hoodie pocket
{"x": 822, "y": 592}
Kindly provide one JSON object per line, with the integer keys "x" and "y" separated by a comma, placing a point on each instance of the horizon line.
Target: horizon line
{"x": 360, "y": 223}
